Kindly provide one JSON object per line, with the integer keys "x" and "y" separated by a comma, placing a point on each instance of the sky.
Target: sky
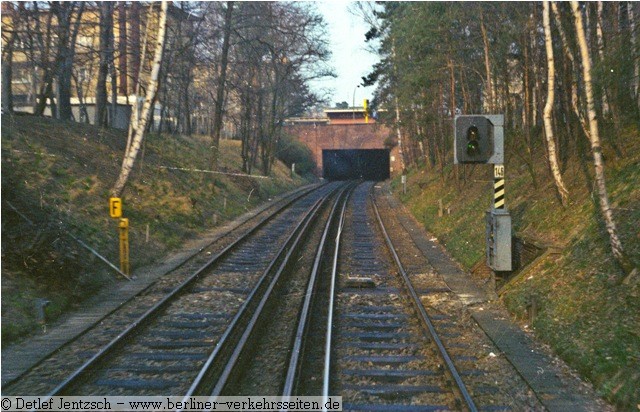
{"x": 349, "y": 58}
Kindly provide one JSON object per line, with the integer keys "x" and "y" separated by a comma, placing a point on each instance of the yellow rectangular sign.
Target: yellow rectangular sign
{"x": 115, "y": 207}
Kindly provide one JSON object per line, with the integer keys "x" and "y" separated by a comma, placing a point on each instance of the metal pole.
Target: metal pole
{"x": 124, "y": 245}
{"x": 353, "y": 102}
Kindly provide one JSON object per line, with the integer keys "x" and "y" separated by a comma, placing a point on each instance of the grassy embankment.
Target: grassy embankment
{"x": 589, "y": 318}
{"x": 58, "y": 175}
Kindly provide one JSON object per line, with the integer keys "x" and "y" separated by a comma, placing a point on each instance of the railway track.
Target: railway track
{"x": 178, "y": 331}
{"x": 381, "y": 358}
{"x": 114, "y": 320}
{"x": 382, "y": 349}
{"x": 327, "y": 297}
{"x": 491, "y": 381}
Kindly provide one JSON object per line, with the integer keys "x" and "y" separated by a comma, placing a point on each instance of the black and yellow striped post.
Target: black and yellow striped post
{"x": 498, "y": 186}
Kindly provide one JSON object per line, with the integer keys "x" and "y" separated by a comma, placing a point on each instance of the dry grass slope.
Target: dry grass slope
{"x": 58, "y": 175}
{"x": 584, "y": 313}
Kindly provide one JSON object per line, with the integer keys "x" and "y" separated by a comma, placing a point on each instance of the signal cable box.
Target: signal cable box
{"x": 498, "y": 236}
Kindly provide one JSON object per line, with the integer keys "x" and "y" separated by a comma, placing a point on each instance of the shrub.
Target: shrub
{"x": 290, "y": 150}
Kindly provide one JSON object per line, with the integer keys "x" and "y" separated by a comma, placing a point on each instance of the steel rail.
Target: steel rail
{"x": 232, "y": 362}
{"x": 286, "y": 201}
{"x": 304, "y": 317}
{"x": 424, "y": 316}
{"x": 202, "y": 383}
{"x": 155, "y": 309}
{"x": 332, "y": 291}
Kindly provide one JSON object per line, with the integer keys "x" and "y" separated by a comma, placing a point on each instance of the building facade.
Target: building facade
{"x": 34, "y": 37}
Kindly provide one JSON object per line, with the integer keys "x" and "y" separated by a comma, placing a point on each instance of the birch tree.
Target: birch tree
{"x": 574, "y": 82}
{"x": 596, "y": 148}
{"x": 147, "y": 109}
{"x": 548, "y": 109}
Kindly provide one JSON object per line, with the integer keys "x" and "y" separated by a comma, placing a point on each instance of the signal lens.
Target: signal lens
{"x": 473, "y": 146}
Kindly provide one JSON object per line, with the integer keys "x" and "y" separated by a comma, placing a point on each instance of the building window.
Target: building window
{"x": 22, "y": 76}
{"x": 83, "y": 74}
{"x": 20, "y": 44}
{"x": 85, "y": 41}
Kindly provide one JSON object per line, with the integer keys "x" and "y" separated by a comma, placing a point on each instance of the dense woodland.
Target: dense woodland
{"x": 565, "y": 76}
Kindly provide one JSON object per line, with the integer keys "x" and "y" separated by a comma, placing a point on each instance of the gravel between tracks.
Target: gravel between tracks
{"x": 552, "y": 382}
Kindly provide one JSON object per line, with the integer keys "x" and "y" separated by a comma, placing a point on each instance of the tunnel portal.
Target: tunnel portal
{"x": 347, "y": 164}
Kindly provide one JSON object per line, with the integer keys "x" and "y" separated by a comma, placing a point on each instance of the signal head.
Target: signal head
{"x": 473, "y": 139}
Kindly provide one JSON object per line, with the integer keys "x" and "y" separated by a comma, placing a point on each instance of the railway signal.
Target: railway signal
{"x": 479, "y": 139}
{"x": 473, "y": 144}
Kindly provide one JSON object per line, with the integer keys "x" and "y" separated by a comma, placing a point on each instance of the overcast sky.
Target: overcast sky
{"x": 349, "y": 58}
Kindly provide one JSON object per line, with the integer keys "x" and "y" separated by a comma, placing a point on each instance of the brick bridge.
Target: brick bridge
{"x": 342, "y": 129}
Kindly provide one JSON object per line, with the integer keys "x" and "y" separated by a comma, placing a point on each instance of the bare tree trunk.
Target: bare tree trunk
{"x": 526, "y": 83}
{"x": 7, "y": 74}
{"x": 466, "y": 99}
{"x": 139, "y": 69}
{"x": 397, "y": 109}
{"x": 399, "y": 135}
{"x": 509, "y": 108}
{"x": 548, "y": 109}
{"x": 491, "y": 95}
{"x": 63, "y": 13}
{"x": 114, "y": 77}
{"x": 44, "y": 40}
{"x": 106, "y": 25}
{"x": 84, "y": 115}
{"x": 634, "y": 51}
{"x": 67, "y": 35}
{"x": 46, "y": 93}
{"x": 441, "y": 147}
{"x": 130, "y": 155}
{"x": 134, "y": 23}
{"x": 122, "y": 47}
{"x": 7, "y": 61}
{"x": 594, "y": 137}
{"x": 600, "y": 45}
{"x": 574, "y": 82}
{"x": 187, "y": 128}
{"x": 222, "y": 79}
{"x": 528, "y": 120}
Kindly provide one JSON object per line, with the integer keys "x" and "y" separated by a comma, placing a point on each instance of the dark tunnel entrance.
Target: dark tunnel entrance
{"x": 367, "y": 164}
